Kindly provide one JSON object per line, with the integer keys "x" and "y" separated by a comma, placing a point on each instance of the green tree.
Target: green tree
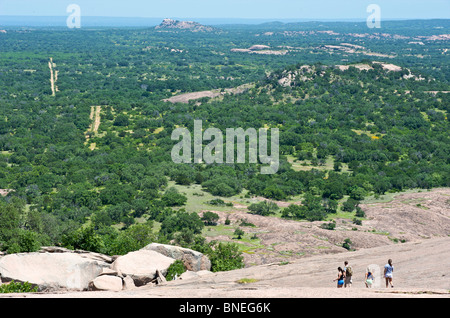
{"x": 225, "y": 257}
{"x": 347, "y": 244}
{"x": 263, "y": 208}
{"x": 173, "y": 198}
{"x": 210, "y": 218}
{"x": 175, "y": 269}
{"x": 84, "y": 238}
{"x": 121, "y": 120}
{"x": 131, "y": 239}
{"x": 239, "y": 233}
{"x": 350, "y": 205}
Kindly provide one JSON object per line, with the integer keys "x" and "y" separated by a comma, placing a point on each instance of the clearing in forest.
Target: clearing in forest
{"x": 186, "y": 97}
{"x": 53, "y": 77}
{"x": 96, "y": 119}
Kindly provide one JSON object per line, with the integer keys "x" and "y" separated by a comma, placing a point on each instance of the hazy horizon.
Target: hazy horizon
{"x": 214, "y": 12}
{"x": 232, "y": 9}
{"x": 57, "y": 21}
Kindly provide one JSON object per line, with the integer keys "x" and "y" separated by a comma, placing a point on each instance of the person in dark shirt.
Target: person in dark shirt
{"x": 340, "y": 278}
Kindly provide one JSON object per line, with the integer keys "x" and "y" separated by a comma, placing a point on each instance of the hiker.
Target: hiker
{"x": 340, "y": 278}
{"x": 369, "y": 278}
{"x": 348, "y": 275}
{"x": 388, "y": 273}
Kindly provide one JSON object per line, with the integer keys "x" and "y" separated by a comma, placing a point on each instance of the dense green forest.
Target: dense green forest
{"x": 345, "y": 133}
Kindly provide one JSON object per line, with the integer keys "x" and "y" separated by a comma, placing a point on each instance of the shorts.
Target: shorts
{"x": 369, "y": 282}
{"x": 348, "y": 280}
{"x": 340, "y": 282}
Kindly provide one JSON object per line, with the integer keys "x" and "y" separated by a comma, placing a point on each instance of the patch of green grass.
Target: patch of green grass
{"x": 305, "y": 165}
{"x": 380, "y": 232}
{"x": 247, "y": 280}
{"x": 321, "y": 238}
{"x": 387, "y": 197}
{"x": 218, "y": 230}
{"x": 198, "y": 199}
{"x": 321, "y": 247}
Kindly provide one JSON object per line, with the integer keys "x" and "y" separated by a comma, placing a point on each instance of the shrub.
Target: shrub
{"x": 350, "y": 205}
{"x": 175, "y": 269}
{"x": 329, "y": 226}
{"x": 239, "y": 233}
{"x": 245, "y": 223}
{"x": 210, "y": 218}
{"x": 225, "y": 257}
{"x": 219, "y": 202}
{"x": 311, "y": 209}
{"x": 181, "y": 220}
{"x": 358, "y": 193}
{"x": 263, "y": 208}
{"x": 173, "y": 198}
{"x": 14, "y": 287}
{"x": 360, "y": 213}
{"x": 347, "y": 244}
{"x": 84, "y": 239}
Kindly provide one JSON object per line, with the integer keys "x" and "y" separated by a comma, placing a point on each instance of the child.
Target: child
{"x": 369, "y": 278}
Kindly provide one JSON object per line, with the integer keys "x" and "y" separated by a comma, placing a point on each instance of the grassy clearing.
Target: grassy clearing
{"x": 218, "y": 230}
{"x": 388, "y": 197}
{"x": 306, "y": 165}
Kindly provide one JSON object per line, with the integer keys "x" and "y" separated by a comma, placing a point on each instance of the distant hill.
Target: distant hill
{"x": 184, "y": 25}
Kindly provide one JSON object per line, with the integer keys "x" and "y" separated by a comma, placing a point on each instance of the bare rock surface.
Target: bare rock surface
{"x": 107, "y": 282}
{"x": 170, "y": 24}
{"x": 142, "y": 265}
{"x": 394, "y": 218}
{"x": 421, "y": 270}
{"x": 85, "y": 254}
{"x": 411, "y": 228}
{"x": 51, "y": 271}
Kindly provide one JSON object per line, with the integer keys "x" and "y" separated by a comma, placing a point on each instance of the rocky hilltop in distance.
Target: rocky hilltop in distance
{"x": 184, "y": 25}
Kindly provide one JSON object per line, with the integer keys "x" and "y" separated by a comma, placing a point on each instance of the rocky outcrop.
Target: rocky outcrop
{"x": 142, "y": 265}
{"x": 107, "y": 282}
{"x": 51, "y": 271}
{"x": 183, "y": 25}
{"x": 192, "y": 260}
{"x": 56, "y": 268}
{"x": 111, "y": 280}
{"x": 85, "y": 254}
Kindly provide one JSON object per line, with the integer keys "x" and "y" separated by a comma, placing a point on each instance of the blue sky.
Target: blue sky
{"x": 248, "y": 9}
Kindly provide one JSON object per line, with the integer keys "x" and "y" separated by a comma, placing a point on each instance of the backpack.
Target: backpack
{"x": 349, "y": 271}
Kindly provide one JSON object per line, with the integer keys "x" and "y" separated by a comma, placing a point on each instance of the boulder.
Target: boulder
{"x": 128, "y": 283}
{"x": 91, "y": 255}
{"x": 193, "y": 260}
{"x": 51, "y": 271}
{"x": 111, "y": 280}
{"x": 109, "y": 271}
{"x": 107, "y": 283}
{"x": 160, "y": 278}
{"x": 142, "y": 265}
